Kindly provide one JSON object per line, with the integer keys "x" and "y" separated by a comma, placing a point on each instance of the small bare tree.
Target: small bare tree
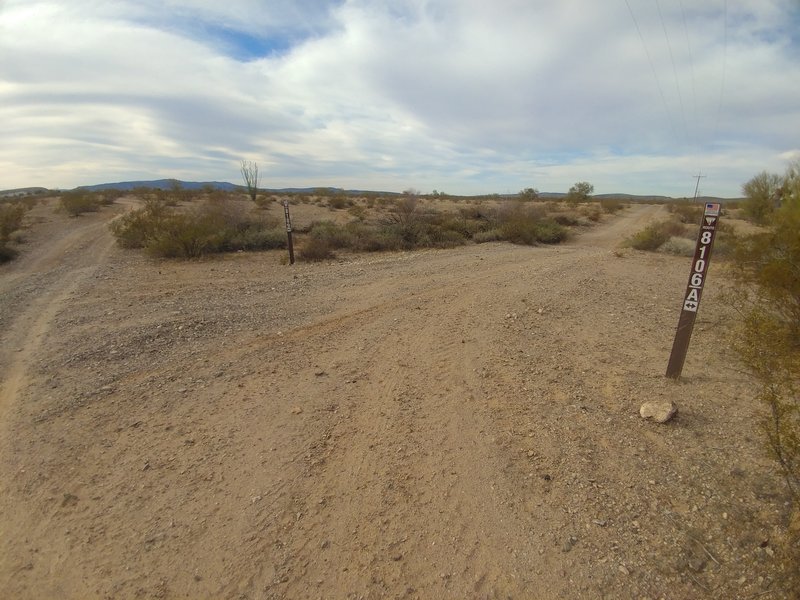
{"x": 251, "y": 178}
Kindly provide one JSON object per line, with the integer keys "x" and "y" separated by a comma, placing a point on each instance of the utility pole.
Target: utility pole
{"x": 699, "y": 176}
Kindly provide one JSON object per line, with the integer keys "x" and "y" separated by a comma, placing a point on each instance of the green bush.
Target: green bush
{"x": 611, "y": 205}
{"x": 580, "y": 192}
{"x": 378, "y": 240}
{"x": 655, "y": 235}
{"x": 78, "y": 202}
{"x": 686, "y": 211}
{"x": 531, "y": 232}
{"x": 216, "y": 226}
{"x": 11, "y": 215}
{"x": 569, "y": 220}
{"x": 138, "y": 227}
{"x": 762, "y": 196}
{"x": 678, "y": 246}
{"x": 180, "y": 236}
{"x": 530, "y": 226}
{"x": 334, "y": 236}
{"x": 259, "y": 238}
{"x": 339, "y": 201}
{"x": 766, "y": 271}
{"x": 490, "y": 235}
{"x": 316, "y": 249}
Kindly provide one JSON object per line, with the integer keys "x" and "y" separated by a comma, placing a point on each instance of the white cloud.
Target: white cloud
{"x": 461, "y": 95}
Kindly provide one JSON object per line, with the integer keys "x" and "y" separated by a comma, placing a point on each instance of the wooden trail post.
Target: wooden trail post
{"x": 697, "y": 279}
{"x": 288, "y": 230}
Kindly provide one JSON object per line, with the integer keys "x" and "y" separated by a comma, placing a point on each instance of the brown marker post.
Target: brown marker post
{"x": 694, "y": 291}
{"x": 288, "y": 230}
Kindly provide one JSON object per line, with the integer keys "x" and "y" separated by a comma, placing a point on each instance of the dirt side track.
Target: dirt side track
{"x": 436, "y": 424}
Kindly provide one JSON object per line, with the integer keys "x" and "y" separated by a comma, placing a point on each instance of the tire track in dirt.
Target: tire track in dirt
{"x": 451, "y": 424}
{"x": 66, "y": 266}
{"x": 416, "y": 441}
{"x": 630, "y": 221}
{"x": 50, "y": 277}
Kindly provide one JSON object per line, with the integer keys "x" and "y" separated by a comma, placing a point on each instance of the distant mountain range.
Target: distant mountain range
{"x": 160, "y": 184}
{"x": 167, "y": 184}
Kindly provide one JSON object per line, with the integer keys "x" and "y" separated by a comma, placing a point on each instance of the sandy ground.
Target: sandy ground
{"x": 435, "y": 424}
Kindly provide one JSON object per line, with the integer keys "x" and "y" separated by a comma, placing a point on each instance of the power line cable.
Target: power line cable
{"x": 674, "y": 73}
{"x": 691, "y": 67}
{"x": 724, "y": 69}
{"x": 653, "y": 69}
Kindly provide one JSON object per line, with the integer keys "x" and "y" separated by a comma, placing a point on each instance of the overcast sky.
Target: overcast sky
{"x": 461, "y": 96}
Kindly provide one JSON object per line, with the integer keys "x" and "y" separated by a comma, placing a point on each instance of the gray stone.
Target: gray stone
{"x": 659, "y": 411}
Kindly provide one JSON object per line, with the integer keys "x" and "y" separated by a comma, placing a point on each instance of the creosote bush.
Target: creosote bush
{"x": 766, "y": 271}
{"x": 686, "y": 211}
{"x": 11, "y": 215}
{"x": 655, "y": 235}
{"x": 78, "y": 202}
{"x": 611, "y": 205}
{"x": 213, "y": 227}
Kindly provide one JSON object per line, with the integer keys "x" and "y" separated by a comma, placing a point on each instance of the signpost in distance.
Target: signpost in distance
{"x": 288, "y": 230}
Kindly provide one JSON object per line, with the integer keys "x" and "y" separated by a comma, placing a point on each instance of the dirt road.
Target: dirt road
{"x": 434, "y": 424}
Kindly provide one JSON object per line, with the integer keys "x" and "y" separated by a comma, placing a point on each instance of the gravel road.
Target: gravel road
{"x": 433, "y": 424}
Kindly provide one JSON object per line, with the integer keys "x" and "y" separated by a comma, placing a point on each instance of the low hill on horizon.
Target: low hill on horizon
{"x": 166, "y": 184}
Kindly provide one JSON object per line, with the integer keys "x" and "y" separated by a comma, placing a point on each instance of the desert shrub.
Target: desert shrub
{"x": 527, "y": 224}
{"x": 377, "y": 240}
{"x": 652, "y": 237}
{"x": 180, "y": 236}
{"x": 138, "y": 227}
{"x": 6, "y": 253}
{"x": 762, "y": 196}
{"x": 580, "y": 192}
{"x": 550, "y": 232}
{"x": 265, "y": 202}
{"x": 316, "y": 249}
{"x": 766, "y": 271}
{"x": 565, "y": 219}
{"x": 611, "y": 205}
{"x": 216, "y": 226}
{"x": 257, "y": 237}
{"x": 78, "y": 202}
{"x": 339, "y": 201}
{"x": 490, "y": 235}
{"x": 335, "y": 236}
{"x": 678, "y": 246}
{"x": 358, "y": 211}
{"x": 686, "y": 212}
{"x": 442, "y": 237}
{"x": 592, "y": 212}
{"x": 530, "y": 231}
{"x": 11, "y": 215}
{"x": 529, "y": 194}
